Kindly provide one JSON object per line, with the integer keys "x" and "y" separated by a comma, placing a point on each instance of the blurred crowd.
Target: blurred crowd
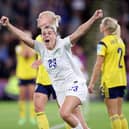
{"x": 23, "y": 14}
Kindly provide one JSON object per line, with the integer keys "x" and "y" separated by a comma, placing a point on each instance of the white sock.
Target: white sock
{"x": 79, "y": 126}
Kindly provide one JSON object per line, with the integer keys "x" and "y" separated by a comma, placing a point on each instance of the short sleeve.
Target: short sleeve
{"x": 66, "y": 42}
{"x": 18, "y": 49}
{"x": 101, "y": 48}
{"x": 38, "y": 46}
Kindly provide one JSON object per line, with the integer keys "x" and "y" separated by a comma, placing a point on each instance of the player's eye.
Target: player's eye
{"x": 50, "y": 33}
{"x": 43, "y": 34}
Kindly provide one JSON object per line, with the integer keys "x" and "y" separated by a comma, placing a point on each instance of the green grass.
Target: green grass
{"x": 96, "y": 116}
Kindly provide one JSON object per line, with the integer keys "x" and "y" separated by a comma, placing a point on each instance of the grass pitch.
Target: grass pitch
{"x": 95, "y": 115}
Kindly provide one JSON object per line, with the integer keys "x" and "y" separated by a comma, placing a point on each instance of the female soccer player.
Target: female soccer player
{"x": 110, "y": 58}
{"x": 44, "y": 84}
{"x": 26, "y": 76}
{"x": 67, "y": 79}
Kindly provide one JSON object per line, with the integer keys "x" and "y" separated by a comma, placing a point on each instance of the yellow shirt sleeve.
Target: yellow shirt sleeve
{"x": 39, "y": 38}
{"x": 101, "y": 48}
{"x": 42, "y": 77}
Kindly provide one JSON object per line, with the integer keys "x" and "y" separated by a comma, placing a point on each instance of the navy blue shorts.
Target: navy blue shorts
{"x": 22, "y": 82}
{"x": 114, "y": 92}
{"x": 46, "y": 89}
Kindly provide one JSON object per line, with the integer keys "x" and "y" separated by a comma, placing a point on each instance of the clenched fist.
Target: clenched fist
{"x": 98, "y": 14}
{"x": 4, "y": 21}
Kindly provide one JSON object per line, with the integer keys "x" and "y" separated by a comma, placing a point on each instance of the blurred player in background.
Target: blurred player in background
{"x": 26, "y": 76}
{"x": 68, "y": 81}
{"x": 110, "y": 59}
{"x": 43, "y": 92}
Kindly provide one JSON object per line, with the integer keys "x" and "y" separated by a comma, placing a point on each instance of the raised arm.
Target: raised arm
{"x": 82, "y": 29}
{"x": 4, "y": 21}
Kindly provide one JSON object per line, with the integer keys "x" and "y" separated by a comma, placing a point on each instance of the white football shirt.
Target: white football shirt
{"x": 59, "y": 62}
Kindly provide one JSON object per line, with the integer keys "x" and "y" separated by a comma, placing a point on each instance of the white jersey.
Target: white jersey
{"x": 59, "y": 62}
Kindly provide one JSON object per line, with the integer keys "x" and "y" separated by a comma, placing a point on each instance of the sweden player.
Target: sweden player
{"x": 67, "y": 79}
{"x": 110, "y": 58}
{"x": 26, "y": 76}
{"x": 42, "y": 93}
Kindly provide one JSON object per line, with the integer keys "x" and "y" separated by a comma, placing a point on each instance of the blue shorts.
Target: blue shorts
{"x": 22, "y": 82}
{"x": 46, "y": 89}
{"x": 114, "y": 92}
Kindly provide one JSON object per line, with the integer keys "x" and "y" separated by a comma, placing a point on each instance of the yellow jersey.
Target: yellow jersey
{"x": 113, "y": 69}
{"x": 42, "y": 77}
{"x": 24, "y": 68}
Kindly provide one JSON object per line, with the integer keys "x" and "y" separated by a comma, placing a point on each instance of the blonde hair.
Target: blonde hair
{"x": 56, "y": 18}
{"x": 111, "y": 25}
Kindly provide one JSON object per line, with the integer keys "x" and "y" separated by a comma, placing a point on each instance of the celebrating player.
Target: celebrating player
{"x": 44, "y": 85}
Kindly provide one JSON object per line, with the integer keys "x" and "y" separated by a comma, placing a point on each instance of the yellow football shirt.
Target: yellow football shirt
{"x": 113, "y": 70}
{"x": 24, "y": 69}
{"x": 42, "y": 77}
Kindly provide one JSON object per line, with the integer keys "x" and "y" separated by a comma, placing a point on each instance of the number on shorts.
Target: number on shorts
{"x": 75, "y": 88}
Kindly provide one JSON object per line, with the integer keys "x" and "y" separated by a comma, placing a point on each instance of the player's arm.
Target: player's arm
{"x": 36, "y": 63}
{"x": 4, "y": 21}
{"x": 82, "y": 29}
{"x": 96, "y": 72}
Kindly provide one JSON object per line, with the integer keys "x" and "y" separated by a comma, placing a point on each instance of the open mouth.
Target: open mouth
{"x": 47, "y": 41}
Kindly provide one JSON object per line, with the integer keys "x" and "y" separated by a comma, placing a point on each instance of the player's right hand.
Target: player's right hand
{"x": 91, "y": 88}
{"x": 4, "y": 21}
